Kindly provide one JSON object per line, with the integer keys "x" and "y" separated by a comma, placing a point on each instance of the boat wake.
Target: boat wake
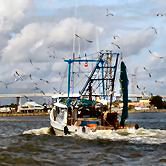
{"x": 147, "y": 136}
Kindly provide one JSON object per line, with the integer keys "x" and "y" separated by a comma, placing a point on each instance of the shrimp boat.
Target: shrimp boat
{"x": 91, "y": 110}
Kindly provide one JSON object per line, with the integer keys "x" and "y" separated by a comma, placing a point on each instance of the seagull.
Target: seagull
{"x": 108, "y": 13}
{"x": 89, "y": 41}
{"x": 17, "y": 73}
{"x": 44, "y": 80}
{"x": 150, "y": 51}
{"x": 31, "y": 62}
{"x": 37, "y": 68}
{"x": 28, "y": 98}
{"x": 138, "y": 87}
{"x": 145, "y": 69}
{"x": 18, "y": 76}
{"x": 115, "y": 37}
{"x": 160, "y": 14}
{"x": 148, "y": 72}
{"x": 155, "y": 30}
{"x": 52, "y": 56}
{"x": 161, "y": 82}
{"x": 55, "y": 89}
{"x": 160, "y": 57}
{"x": 30, "y": 76}
{"x": 115, "y": 45}
{"x": 38, "y": 89}
{"x": 77, "y": 36}
{"x": 35, "y": 83}
{"x": 6, "y": 83}
{"x": 42, "y": 92}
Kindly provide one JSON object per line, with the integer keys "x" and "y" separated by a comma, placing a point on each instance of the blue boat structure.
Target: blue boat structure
{"x": 90, "y": 110}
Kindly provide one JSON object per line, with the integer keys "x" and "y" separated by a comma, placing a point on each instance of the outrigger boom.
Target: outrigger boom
{"x": 106, "y": 80}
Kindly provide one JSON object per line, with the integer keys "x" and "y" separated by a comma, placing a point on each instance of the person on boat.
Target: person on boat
{"x": 122, "y": 122}
{"x": 66, "y": 130}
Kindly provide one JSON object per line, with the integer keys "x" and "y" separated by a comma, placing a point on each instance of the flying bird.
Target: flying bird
{"x": 28, "y": 98}
{"x": 89, "y": 41}
{"x": 148, "y": 72}
{"x": 160, "y": 57}
{"x": 18, "y": 76}
{"x": 138, "y": 87}
{"x": 30, "y": 76}
{"x": 160, "y": 82}
{"x": 160, "y": 14}
{"x": 145, "y": 69}
{"x": 44, "y": 80}
{"x": 108, "y": 13}
{"x": 116, "y": 45}
{"x": 31, "y": 62}
{"x": 35, "y": 83}
{"x": 52, "y": 56}
{"x": 115, "y": 37}
{"x": 6, "y": 83}
{"x": 37, "y": 68}
{"x": 150, "y": 51}
{"x": 38, "y": 89}
{"x": 141, "y": 89}
{"x": 155, "y": 30}
{"x": 42, "y": 92}
{"x": 77, "y": 36}
{"x": 55, "y": 89}
{"x": 17, "y": 73}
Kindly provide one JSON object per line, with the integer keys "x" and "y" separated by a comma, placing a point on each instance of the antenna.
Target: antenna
{"x": 74, "y": 27}
{"x": 74, "y": 41}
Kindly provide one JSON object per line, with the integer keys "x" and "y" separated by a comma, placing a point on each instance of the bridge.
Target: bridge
{"x": 20, "y": 95}
{"x": 26, "y": 95}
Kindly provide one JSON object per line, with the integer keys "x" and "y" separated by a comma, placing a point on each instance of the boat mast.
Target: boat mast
{"x": 106, "y": 72}
{"x": 113, "y": 80}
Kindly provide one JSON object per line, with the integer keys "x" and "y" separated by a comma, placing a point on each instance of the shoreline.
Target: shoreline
{"x": 150, "y": 110}
{"x": 46, "y": 113}
{"x": 24, "y": 114}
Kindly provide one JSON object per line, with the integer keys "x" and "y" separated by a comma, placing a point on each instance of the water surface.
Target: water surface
{"x": 146, "y": 146}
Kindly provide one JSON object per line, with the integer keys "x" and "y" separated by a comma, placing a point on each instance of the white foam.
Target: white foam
{"x": 147, "y": 136}
{"x": 41, "y": 131}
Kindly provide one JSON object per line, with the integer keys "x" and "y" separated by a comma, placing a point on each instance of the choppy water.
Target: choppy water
{"x": 25, "y": 141}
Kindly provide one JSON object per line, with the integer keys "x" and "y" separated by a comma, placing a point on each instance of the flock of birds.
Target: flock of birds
{"x": 152, "y": 54}
{"x": 21, "y": 77}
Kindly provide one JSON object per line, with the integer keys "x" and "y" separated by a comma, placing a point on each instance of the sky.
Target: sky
{"x": 37, "y": 35}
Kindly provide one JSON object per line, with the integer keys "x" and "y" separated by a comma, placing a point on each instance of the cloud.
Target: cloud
{"x": 34, "y": 39}
{"x": 133, "y": 42}
{"x": 12, "y": 12}
{"x": 45, "y": 36}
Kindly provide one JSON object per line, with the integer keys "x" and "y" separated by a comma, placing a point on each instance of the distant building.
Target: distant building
{"x": 30, "y": 107}
{"x": 5, "y": 109}
{"x": 142, "y": 104}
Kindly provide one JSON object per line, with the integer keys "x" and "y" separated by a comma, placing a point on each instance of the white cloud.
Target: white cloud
{"x": 132, "y": 43}
{"x": 11, "y": 12}
{"x": 26, "y": 36}
{"x": 34, "y": 39}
